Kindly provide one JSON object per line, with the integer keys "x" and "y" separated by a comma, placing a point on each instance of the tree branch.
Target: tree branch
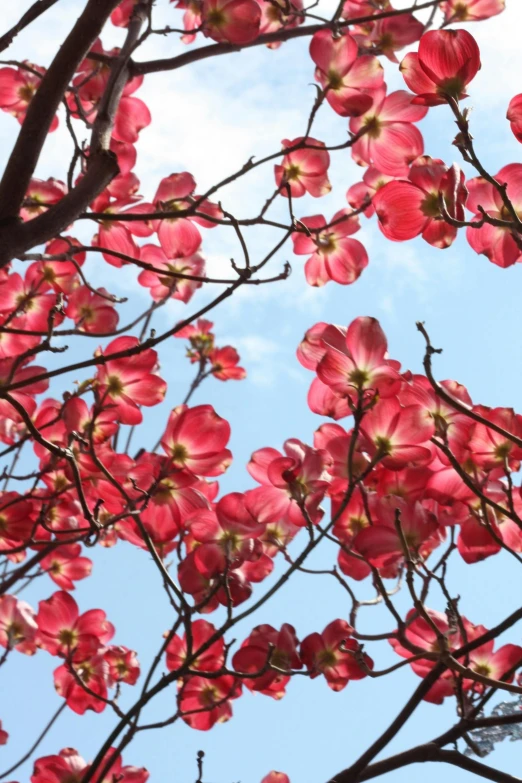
{"x": 32, "y": 13}
{"x": 43, "y": 107}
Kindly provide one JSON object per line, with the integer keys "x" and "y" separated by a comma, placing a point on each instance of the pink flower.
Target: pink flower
{"x": 177, "y": 236}
{"x": 204, "y": 702}
{"x": 276, "y": 777}
{"x": 389, "y": 35}
{"x": 361, "y": 363}
{"x": 231, "y": 21}
{"x": 162, "y": 286}
{"x": 265, "y": 644}
{"x": 17, "y": 87}
{"x": 299, "y": 477}
{"x": 391, "y": 141}
{"x": 447, "y": 61}
{"x": 93, "y": 673}
{"x": 65, "y": 565}
{"x": 276, "y": 14}
{"x": 92, "y": 312}
{"x": 407, "y": 208}
{"x": 471, "y": 10}
{"x": 127, "y": 382}
{"x": 495, "y": 242}
{"x": 226, "y": 537}
{"x": 399, "y": 435}
{"x": 224, "y": 364}
{"x": 322, "y": 654}
{"x": 18, "y": 626}
{"x": 195, "y": 439}
{"x": 343, "y": 74}
{"x": 514, "y": 115}
{"x": 335, "y": 257}
{"x": 63, "y": 631}
{"x": 121, "y": 15}
{"x": 381, "y": 545}
{"x": 363, "y": 192}
{"x": 304, "y": 170}
{"x": 211, "y": 660}
{"x": 123, "y": 665}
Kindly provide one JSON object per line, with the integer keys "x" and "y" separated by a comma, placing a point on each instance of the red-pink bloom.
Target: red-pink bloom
{"x": 335, "y": 256}
{"x": 174, "y": 497}
{"x": 395, "y": 434}
{"x": 495, "y": 242}
{"x": 66, "y": 767}
{"x": 226, "y": 536}
{"x": 92, "y": 312}
{"x": 389, "y": 35}
{"x": 471, "y": 10}
{"x": 161, "y": 285}
{"x": 123, "y": 665}
{"x": 322, "y": 654}
{"x": 30, "y": 304}
{"x": 304, "y": 170}
{"x": 93, "y": 673}
{"x": 121, "y": 15}
{"x": 127, "y": 382}
{"x": 420, "y": 633}
{"x": 18, "y": 626}
{"x": 449, "y": 423}
{"x": 336, "y": 442}
{"x": 16, "y": 521}
{"x": 132, "y": 117}
{"x": 293, "y": 481}
{"x": 447, "y": 61}
{"x": 231, "y": 21}
{"x": 77, "y": 417}
{"x": 63, "y": 631}
{"x": 343, "y": 74}
{"x": 325, "y": 402}
{"x": 276, "y": 777}
{"x": 407, "y": 208}
{"x": 514, "y": 115}
{"x": 195, "y": 439}
{"x": 497, "y": 665}
{"x": 490, "y": 449}
{"x": 361, "y": 364}
{"x": 119, "y": 235}
{"x": 61, "y": 276}
{"x": 279, "y": 13}
{"x": 363, "y": 192}
{"x": 476, "y": 542}
{"x": 224, "y": 364}
{"x": 17, "y": 87}
{"x": 65, "y": 565}
{"x": 391, "y": 141}
{"x": 211, "y": 660}
{"x": 316, "y": 341}
{"x": 4, "y": 736}
{"x": 177, "y": 236}
{"x": 382, "y": 545}
{"x": 203, "y": 703}
{"x": 69, "y": 767}
{"x": 41, "y": 194}
{"x": 267, "y": 645}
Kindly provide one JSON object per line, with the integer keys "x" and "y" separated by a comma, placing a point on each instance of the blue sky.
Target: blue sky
{"x": 209, "y": 119}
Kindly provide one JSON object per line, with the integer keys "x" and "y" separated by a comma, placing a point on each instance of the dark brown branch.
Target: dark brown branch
{"x": 285, "y": 34}
{"x": 32, "y": 13}
{"x": 430, "y": 752}
{"x": 44, "y": 105}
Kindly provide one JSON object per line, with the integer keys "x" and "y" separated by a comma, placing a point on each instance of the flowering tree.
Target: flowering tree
{"x": 417, "y": 477}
